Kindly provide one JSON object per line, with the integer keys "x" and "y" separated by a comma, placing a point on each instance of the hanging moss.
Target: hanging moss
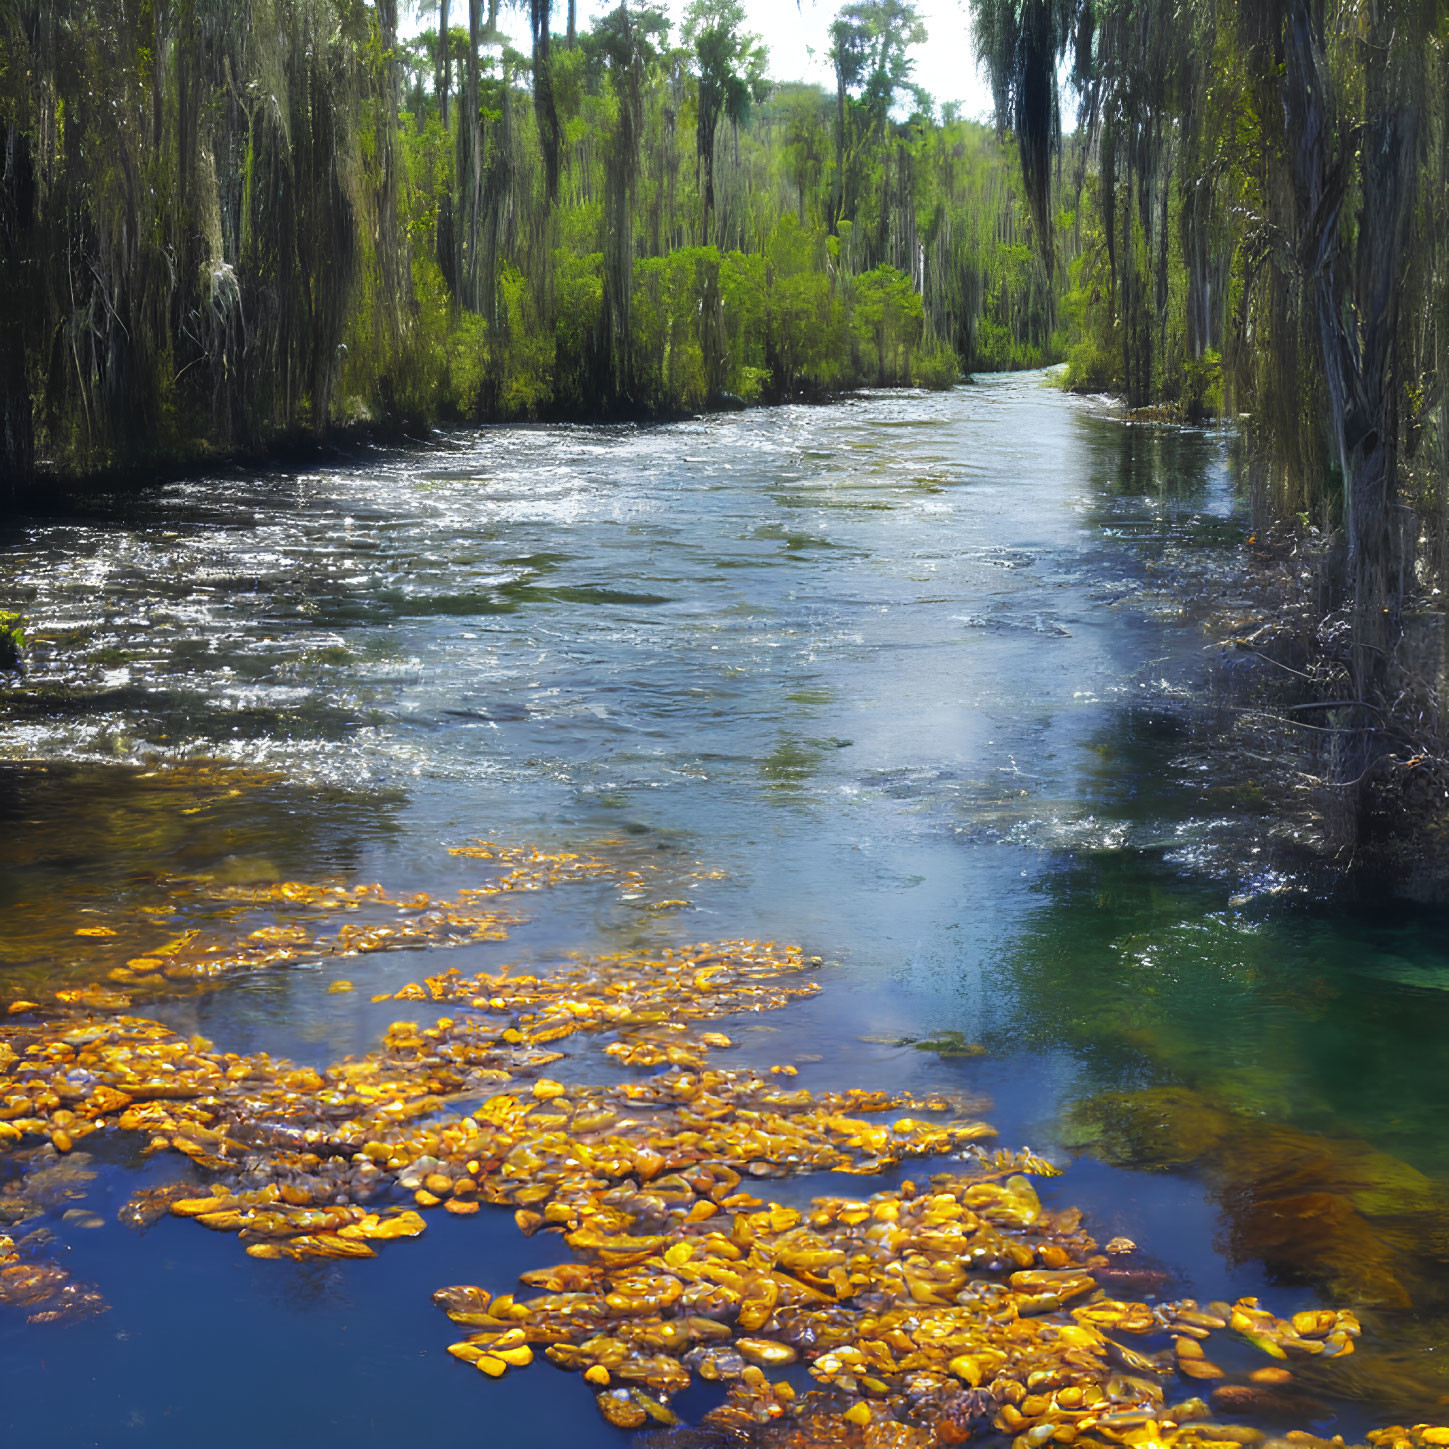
{"x": 1260, "y": 230}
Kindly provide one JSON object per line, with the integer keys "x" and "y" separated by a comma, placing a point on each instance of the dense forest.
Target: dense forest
{"x": 228, "y": 222}
{"x": 1256, "y": 194}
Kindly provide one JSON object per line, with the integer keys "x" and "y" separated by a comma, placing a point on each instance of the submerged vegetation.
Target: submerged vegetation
{"x": 232, "y": 222}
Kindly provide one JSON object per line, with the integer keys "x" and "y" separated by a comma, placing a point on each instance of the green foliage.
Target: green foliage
{"x": 1200, "y": 393}
{"x": 12, "y": 640}
{"x": 804, "y": 317}
{"x": 751, "y": 383}
{"x": 524, "y": 353}
{"x": 262, "y": 224}
{"x": 467, "y": 357}
{"x": 1091, "y": 367}
{"x": 888, "y": 323}
{"x": 936, "y": 366}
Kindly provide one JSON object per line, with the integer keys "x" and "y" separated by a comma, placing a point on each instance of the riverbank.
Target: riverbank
{"x": 1367, "y": 823}
{"x": 1274, "y": 717}
{"x": 49, "y": 491}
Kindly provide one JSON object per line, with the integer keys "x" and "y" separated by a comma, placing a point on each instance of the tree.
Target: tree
{"x": 545, "y": 108}
{"x": 869, "y": 41}
{"x": 730, "y": 67}
{"x": 445, "y": 65}
{"x": 218, "y": 226}
{"x": 1353, "y": 275}
{"x": 1022, "y": 43}
{"x": 806, "y": 123}
{"x": 625, "y": 46}
{"x": 1273, "y": 152}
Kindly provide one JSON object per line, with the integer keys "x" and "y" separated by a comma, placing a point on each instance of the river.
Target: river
{"x": 908, "y": 680}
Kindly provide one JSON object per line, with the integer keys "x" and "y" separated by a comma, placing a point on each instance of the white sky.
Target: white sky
{"x": 798, "y": 39}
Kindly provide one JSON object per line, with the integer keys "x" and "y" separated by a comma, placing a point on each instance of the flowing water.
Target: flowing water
{"x": 908, "y": 680}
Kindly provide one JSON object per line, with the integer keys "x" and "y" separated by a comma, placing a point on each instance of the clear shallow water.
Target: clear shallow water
{"x": 912, "y": 671}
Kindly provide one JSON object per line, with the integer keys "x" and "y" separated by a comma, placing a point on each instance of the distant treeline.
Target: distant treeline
{"x": 227, "y": 222}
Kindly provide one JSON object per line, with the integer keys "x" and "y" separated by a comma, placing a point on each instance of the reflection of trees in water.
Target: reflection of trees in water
{"x": 1284, "y": 1055}
{"x": 1130, "y": 460}
{"x": 94, "y": 846}
{"x": 1168, "y": 493}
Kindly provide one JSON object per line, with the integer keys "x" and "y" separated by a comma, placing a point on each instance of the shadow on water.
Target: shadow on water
{"x": 309, "y": 1355}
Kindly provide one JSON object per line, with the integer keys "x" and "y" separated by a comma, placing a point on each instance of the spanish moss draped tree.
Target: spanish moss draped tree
{"x": 1022, "y": 43}
{"x": 1265, "y": 188}
{"x": 869, "y": 45}
{"x": 163, "y": 162}
{"x": 730, "y": 64}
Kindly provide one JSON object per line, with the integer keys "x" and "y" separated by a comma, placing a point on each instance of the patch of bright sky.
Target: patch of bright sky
{"x": 798, "y": 40}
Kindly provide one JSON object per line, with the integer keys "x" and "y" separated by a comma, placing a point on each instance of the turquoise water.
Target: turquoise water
{"x": 921, "y": 676}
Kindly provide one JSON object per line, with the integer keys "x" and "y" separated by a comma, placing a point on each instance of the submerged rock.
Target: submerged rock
{"x": 1264, "y": 1401}
{"x": 1335, "y": 1211}
{"x": 1154, "y": 1130}
{"x": 1368, "y": 1227}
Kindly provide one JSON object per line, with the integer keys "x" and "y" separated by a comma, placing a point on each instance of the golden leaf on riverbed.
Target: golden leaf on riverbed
{"x": 931, "y": 1308}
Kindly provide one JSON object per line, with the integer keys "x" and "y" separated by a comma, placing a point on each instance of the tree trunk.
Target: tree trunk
{"x": 540, "y": 18}
{"x": 393, "y": 271}
{"x": 838, "y": 209}
{"x": 444, "y": 74}
{"x": 621, "y": 173}
{"x": 470, "y": 170}
{"x": 707, "y": 123}
{"x": 17, "y": 215}
{"x": 1357, "y": 314}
